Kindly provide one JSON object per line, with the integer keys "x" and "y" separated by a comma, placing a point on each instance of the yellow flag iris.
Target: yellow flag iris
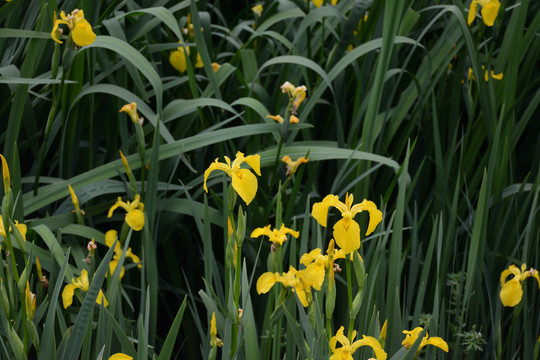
{"x": 276, "y": 236}
{"x": 80, "y": 29}
{"x": 347, "y": 348}
{"x": 135, "y": 212}
{"x": 243, "y": 180}
{"x": 346, "y": 230}
{"x": 490, "y": 10}
{"x": 178, "y": 59}
{"x": 412, "y": 335}
{"x": 511, "y": 290}
{"x": 292, "y": 166}
{"x": 82, "y": 283}
{"x": 110, "y": 236}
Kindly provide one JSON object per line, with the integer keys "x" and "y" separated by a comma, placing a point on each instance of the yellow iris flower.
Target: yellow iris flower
{"x": 214, "y": 340}
{"x": 490, "y": 9}
{"x": 347, "y": 349}
{"x": 21, "y": 227}
{"x": 317, "y": 264}
{"x": 487, "y": 74}
{"x": 110, "y": 236}
{"x": 80, "y": 283}
{"x": 135, "y": 212}
{"x": 297, "y": 94}
{"x": 80, "y": 29}
{"x": 292, "y": 166}
{"x": 511, "y": 290}
{"x": 298, "y": 280}
{"x": 178, "y": 59}
{"x": 276, "y": 236}
{"x": 412, "y": 335}
{"x": 243, "y": 181}
{"x": 257, "y": 10}
{"x": 346, "y": 230}
{"x": 30, "y": 302}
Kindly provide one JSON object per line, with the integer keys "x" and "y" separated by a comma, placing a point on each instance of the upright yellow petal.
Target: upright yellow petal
{"x": 110, "y": 236}
{"x": 82, "y": 33}
{"x": 245, "y": 184}
{"x": 317, "y": 3}
{"x": 5, "y": 174}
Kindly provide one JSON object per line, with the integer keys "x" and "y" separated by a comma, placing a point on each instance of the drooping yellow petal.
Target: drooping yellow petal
{"x": 177, "y": 58}
{"x": 511, "y": 293}
{"x": 347, "y": 237}
{"x": 135, "y": 219}
{"x": 215, "y": 166}
{"x": 265, "y": 282}
{"x": 320, "y": 209}
{"x": 490, "y": 11}
{"x": 199, "y": 63}
{"x": 245, "y": 184}
{"x": 438, "y": 342}
{"x": 82, "y": 33}
{"x": 67, "y": 295}
{"x": 120, "y": 356}
{"x": 22, "y": 229}
{"x": 314, "y": 274}
{"x": 370, "y": 341}
{"x": 375, "y": 215}
{"x": 254, "y": 161}
{"x": 261, "y": 231}
{"x": 277, "y": 118}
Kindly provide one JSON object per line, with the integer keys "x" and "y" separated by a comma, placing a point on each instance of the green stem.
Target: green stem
{"x": 349, "y": 298}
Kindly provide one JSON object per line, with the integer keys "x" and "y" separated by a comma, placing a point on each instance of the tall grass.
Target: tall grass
{"x": 392, "y": 114}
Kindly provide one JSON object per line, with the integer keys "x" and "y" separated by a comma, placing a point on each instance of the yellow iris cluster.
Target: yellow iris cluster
{"x": 301, "y": 281}
{"x": 80, "y": 29}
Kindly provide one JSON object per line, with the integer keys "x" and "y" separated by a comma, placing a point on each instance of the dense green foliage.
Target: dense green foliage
{"x": 404, "y": 107}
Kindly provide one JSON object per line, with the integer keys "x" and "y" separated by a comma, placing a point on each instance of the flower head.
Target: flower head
{"x": 511, "y": 290}
{"x": 216, "y": 66}
{"x": 276, "y": 236}
{"x": 412, "y": 335}
{"x": 243, "y": 180}
{"x": 490, "y": 9}
{"x": 292, "y": 166}
{"x": 80, "y": 29}
{"x": 80, "y": 283}
{"x": 178, "y": 59}
{"x": 346, "y": 230}
{"x": 298, "y": 280}
{"x": 214, "y": 340}
{"x": 110, "y": 236}
{"x": 292, "y": 119}
{"x": 21, "y": 227}
{"x": 257, "y": 10}
{"x": 347, "y": 349}
{"x": 131, "y": 110}
{"x": 296, "y": 94}
{"x": 135, "y": 213}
